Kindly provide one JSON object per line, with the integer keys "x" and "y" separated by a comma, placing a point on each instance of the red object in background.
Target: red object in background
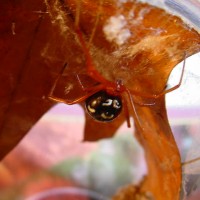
{"x": 26, "y": 171}
{"x": 25, "y": 177}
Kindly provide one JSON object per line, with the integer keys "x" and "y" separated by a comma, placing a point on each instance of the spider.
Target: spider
{"x": 105, "y": 101}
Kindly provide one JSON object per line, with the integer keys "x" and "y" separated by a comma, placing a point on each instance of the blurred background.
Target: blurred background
{"x": 52, "y": 155}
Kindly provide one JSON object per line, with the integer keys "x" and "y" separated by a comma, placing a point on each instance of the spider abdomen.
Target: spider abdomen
{"x": 103, "y": 106}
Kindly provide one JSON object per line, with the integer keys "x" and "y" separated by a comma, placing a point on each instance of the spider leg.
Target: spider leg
{"x": 156, "y": 96}
{"x": 51, "y": 96}
{"x": 144, "y": 104}
{"x": 61, "y": 100}
{"x": 78, "y": 10}
{"x": 135, "y": 116}
{"x": 90, "y": 91}
{"x": 91, "y": 70}
{"x": 96, "y": 21}
{"x": 126, "y": 112}
{"x": 190, "y": 161}
{"x": 80, "y": 82}
{"x": 175, "y": 87}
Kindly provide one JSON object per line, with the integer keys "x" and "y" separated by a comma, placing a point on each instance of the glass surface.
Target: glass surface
{"x": 188, "y": 10}
{"x": 183, "y": 106}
